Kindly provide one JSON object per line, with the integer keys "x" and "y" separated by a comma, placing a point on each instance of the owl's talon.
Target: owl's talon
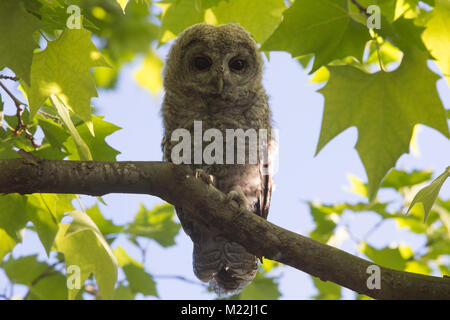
{"x": 207, "y": 178}
{"x": 237, "y": 196}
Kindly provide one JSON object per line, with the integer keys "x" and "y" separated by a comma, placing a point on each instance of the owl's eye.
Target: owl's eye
{"x": 237, "y": 64}
{"x": 202, "y": 63}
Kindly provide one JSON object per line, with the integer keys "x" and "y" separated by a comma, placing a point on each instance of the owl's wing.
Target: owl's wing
{"x": 263, "y": 203}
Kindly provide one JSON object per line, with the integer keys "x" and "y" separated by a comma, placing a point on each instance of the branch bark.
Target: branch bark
{"x": 176, "y": 185}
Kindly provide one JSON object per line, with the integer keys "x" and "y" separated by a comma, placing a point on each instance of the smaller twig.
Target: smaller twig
{"x": 378, "y": 53}
{"x": 371, "y": 230}
{"x": 181, "y": 278}
{"x": 2, "y": 76}
{"x": 352, "y": 235}
{"x": 21, "y": 126}
{"x": 17, "y": 102}
{"x": 43, "y": 35}
{"x": 48, "y": 272}
{"x": 90, "y": 289}
{"x": 361, "y": 8}
{"x": 49, "y": 115}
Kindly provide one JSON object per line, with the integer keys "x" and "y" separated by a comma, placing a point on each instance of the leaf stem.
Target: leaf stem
{"x": 43, "y": 35}
{"x": 361, "y": 8}
{"x": 378, "y": 54}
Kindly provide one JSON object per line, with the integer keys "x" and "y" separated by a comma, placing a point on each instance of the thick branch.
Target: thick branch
{"x": 176, "y": 185}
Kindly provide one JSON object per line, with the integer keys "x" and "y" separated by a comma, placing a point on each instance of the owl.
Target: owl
{"x": 213, "y": 74}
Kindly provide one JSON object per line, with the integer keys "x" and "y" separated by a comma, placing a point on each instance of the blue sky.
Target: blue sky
{"x": 297, "y": 110}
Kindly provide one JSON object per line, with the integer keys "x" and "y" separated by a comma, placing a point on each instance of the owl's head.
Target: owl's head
{"x": 217, "y": 61}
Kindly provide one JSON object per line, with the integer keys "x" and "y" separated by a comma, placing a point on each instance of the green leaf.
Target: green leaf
{"x": 53, "y": 287}
{"x": 268, "y": 264}
{"x": 356, "y": 186}
{"x": 404, "y": 34}
{"x": 63, "y": 69}
{"x": 96, "y": 143}
{"x": 16, "y": 38}
{"x": 321, "y": 27}
{"x": 385, "y": 107}
{"x": 139, "y": 280}
{"x": 123, "y": 293}
{"x": 388, "y": 54}
{"x": 325, "y": 220}
{"x": 149, "y": 73}
{"x": 437, "y": 36}
{"x": 261, "y": 288}
{"x": 123, "y": 4}
{"x": 428, "y": 195}
{"x": 13, "y": 217}
{"x": 386, "y": 257}
{"x": 259, "y": 17}
{"x": 327, "y": 290}
{"x": 105, "y": 226}
{"x": 43, "y": 281}
{"x": 176, "y": 17}
{"x": 46, "y": 211}
{"x": 444, "y": 270}
{"x": 55, "y": 136}
{"x": 7, "y": 243}
{"x": 399, "y": 178}
{"x": 83, "y": 245}
{"x": 23, "y": 270}
{"x": 82, "y": 148}
{"x": 418, "y": 267}
{"x": 156, "y": 224}
{"x": 390, "y": 9}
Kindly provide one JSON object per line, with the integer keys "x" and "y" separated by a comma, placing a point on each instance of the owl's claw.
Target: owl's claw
{"x": 239, "y": 197}
{"x": 207, "y": 178}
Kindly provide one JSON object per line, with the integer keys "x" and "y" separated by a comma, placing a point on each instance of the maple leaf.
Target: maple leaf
{"x": 83, "y": 245}
{"x": 437, "y": 36}
{"x": 385, "y": 107}
{"x": 428, "y": 195}
{"x": 16, "y": 38}
{"x": 321, "y": 27}
{"x": 63, "y": 69}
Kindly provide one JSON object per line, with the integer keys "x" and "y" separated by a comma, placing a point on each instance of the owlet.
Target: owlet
{"x": 213, "y": 77}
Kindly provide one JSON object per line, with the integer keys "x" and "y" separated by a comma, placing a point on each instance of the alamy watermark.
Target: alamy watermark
{"x": 374, "y": 17}
{"x": 374, "y": 280}
{"x": 74, "y": 20}
{"x": 73, "y": 273}
{"x": 237, "y": 147}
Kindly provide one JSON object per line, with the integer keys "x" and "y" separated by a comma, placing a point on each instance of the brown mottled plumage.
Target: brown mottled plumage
{"x": 222, "y": 97}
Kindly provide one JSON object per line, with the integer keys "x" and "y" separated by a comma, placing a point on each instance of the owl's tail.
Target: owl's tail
{"x": 227, "y": 265}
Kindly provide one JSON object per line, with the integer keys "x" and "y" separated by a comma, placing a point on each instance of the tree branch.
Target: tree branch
{"x": 176, "y": 185}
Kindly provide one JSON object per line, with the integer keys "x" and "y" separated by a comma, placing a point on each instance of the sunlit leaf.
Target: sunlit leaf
{"x": 99, "y": 148}
{"x": 381, "y": 105}
{"x": 82, "y": 147}
{"x": 63, "y": 69}
{"x": 83, "y": 245}
{"x": 399, "y": 178}
{"x": 16, "y": 38}
{"x": 157, "y": 224}
{"x": 321, "y": 27}
{"x": 327, "y": 290}
{"x": 386, "y": 257}
{"x": 139, "y": 280}
{"x": 437, "y": 36}
{"x": 428, "y": 195}
{"x": 149, "y": 73}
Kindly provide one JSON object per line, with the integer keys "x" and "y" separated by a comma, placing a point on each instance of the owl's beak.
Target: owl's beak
{"x": 220, "y": 84}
